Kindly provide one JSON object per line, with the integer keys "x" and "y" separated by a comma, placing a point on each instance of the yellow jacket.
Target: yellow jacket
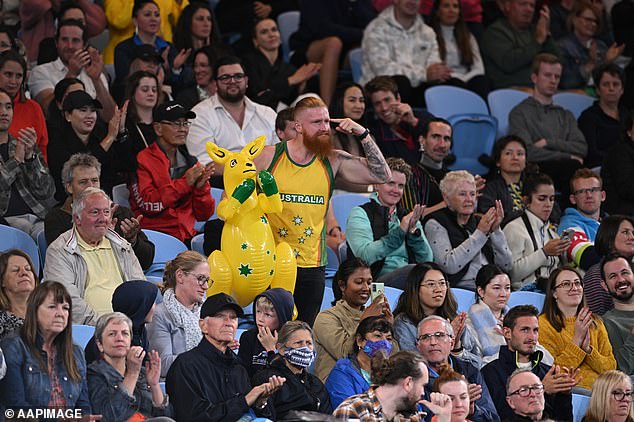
{"x": 568, "y": 354}
{"x": 120, "y": 26}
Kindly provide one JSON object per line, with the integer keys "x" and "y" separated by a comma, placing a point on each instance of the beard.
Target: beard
{"x": 231, "y": 98}
{"x": 621, "y": 296}
{"x": 407, "y": 405}
{"x": 320, "y": 145}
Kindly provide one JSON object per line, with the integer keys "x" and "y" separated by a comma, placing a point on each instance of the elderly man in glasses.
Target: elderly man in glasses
{"x": 525, "y": 395}
{"x": 173, "y": 189}
{"x": 435, "y": 341}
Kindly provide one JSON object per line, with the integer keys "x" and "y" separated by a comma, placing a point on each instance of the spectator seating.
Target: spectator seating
{"x": 82, "y": 334}
{"x": 392, "y": 294}
{"x": 473, "y": 137}
{"x": 343, "y": 251}
{"x": 579, "y": 405}
{"x": 42, "y": 245}
{"x": 121, "y": 195}
{"x": 465, "y": 298}
{"x": 501, "y": 102}
{"x": 343, "y": 203}
{"x": 527, "y": 298}
{"x": 197, "y": 243}
{"x": 573, "y": 102}
{"x": 166, "y": 248}
{"x": 355, "y": 56}
{"x": 288, "y": 24}
{"x": 445, "y": 101}
{"x": 329, "y": 296}
{"x": 11, "y": 238}
{"x": 216, "y": 193}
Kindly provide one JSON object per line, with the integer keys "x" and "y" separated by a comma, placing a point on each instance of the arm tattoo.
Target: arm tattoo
{"x": 376, "y": 162}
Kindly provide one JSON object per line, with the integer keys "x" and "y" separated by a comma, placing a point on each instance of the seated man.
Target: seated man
{"x": 82, "y": 171}
{"x": 173, "y": 189}
{"x": 525, "y": 396}
{"x": 25, "y": 182}
{"x": 90, "y": 259}
{"x": 395, "y": 126}
{"x": 208, "y": 383}
{"x": 521, "y": 330}
{"x": 380, "y": 233}
{"x": 552, "y": 137}
{"x": 618, "y": 280}
{"x": 435, "y": 344}
{"x": 511, "y": 43}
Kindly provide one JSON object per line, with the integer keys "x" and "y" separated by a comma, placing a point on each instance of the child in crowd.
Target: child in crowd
{"x": 272, "y": 309}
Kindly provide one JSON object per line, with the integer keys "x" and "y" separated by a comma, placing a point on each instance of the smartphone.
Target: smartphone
{"x": 376, "y": 290}
{"x": 567, "y": 234}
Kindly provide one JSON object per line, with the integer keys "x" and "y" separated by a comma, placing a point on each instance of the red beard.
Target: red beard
{"x": 320, "y": 145}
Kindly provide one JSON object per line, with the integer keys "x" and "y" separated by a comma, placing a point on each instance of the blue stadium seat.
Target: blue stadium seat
{"x": 216, "y": 193}
{"x": 329, "y": 296}
{"x": 473, "y": 137}
{"x": 42, "y": 245}
{"x": 445, "y": 101}
{"x": 343, "y": 203}
{"x": 166, "y": 249}
{"x": 465, "y": 298}
{"x": 579, "y": 406}
{"x": 197, "y": 243}
{"x": 355, "y": 56}
{"x": 121, "y": 195}
{"x": 82, "y": 334}
{"x": 573, "y": 102}
{"x": 11, "y": 238}
{"x": 392, "y": 294}
{"x": 333, "y": 262}
{"x": 501, "y": 102}
{"x": 288, "y": 24}
{"x": 343, "y": 251}
{"x": 527, "y": 298}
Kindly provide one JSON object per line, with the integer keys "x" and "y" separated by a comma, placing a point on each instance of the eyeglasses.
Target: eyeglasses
{"x": 183, "y": 124}
{"x": 587, "y": 190}
{"x": 569, "y": 285}
{"x": 238, "y": 77}
{"x": 439, "y": 336}
{"x": 434, "y": 284}
{"x": 525, "y": 391}
{"x": 621, "y": 395}
{"x": 200, "y": 278}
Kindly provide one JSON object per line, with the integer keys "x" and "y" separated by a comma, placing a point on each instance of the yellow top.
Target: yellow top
{"x": 566, "y": 353}
{"x": 103, "y": 274}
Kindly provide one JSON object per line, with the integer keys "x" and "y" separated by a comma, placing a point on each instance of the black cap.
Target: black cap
{"x": 217, "y": 303}
{"x": 146, "y": 52}
{"x": 171, "y": 111}
{"x": 79, "y": 99}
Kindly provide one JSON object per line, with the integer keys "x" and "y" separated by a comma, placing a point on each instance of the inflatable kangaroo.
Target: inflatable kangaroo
{"x": 249, "y": 261}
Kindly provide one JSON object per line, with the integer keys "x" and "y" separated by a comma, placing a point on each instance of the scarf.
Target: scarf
{"x": 184, "y": 318}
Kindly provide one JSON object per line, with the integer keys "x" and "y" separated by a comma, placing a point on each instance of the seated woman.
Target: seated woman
{"x": 458, "y": 48}
{"x": 427, "y": 293}
{"x": 569, "y": 331}
{"x": 44, "y": 367}
{"x": 384, "y": 235}
{"x": 580, "y": 50}
{"x": 120, "y": 386}
{"x": 618, "y": 172}
{"x": 203, "y": 75}
{"x": 301, "y": 390}
{"x": 461, "y": 242}
{"x": 353, "y": 374}
{"x": 174, "y": 328}
{"x": 271, "y": 80}
{"x": 485, "y": 316}
{"x": 335, "y": 328}
{"x": 615, "y": 234}
{"x": 456, "y": 386}
{"x": 611, "y": 399}
{"x": 17, "y": 282}
{"x": 506, "y": 181}
{"x": 532, "y": 238}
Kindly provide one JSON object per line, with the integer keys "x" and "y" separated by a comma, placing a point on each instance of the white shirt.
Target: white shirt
{"x": 214, "y": 123}
{"x": 47, "y": 75}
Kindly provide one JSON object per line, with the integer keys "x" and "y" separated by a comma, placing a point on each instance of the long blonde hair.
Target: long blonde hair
{"x": 601, "y": 392}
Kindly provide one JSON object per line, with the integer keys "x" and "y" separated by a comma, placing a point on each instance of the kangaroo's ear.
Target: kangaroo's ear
{"x": 218, "y": 154}
{"x": 255, "y": 147}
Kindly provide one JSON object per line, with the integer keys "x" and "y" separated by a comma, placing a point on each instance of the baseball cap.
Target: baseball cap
{"x": 146, "y": 52}
{"x": 171, "y": 111}
{"x": 217, "y": 303}
{"x": 79, "y": 99}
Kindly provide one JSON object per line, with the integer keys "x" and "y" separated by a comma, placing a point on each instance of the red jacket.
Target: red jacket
{"x": 168, "y": 205}
{"x": 29, "y": 114}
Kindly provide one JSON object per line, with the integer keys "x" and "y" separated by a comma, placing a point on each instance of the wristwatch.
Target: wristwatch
{"x": 364, "y": 135}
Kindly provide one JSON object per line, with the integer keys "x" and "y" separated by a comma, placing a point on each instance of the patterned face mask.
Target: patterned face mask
{"x": 372, "y": 347}
{"x": 302, "y": 357}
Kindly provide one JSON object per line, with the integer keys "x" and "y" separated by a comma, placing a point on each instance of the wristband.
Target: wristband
{"x": 364, "y": 135}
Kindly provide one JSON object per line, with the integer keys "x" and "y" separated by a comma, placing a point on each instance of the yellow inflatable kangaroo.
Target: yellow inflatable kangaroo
{"x": 249, "y": 260}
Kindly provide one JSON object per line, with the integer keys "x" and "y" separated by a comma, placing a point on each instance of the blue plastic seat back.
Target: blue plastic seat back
{"x": 356, "y": 58}
{"x": 527, "y": 298}
{"x": 197, "y": 243}
{"x": 121, "y": 195}
{"x": 329, "y": 296}
{"x": 465, "y": 298}
{"x": 343, "y": 203}
{"x": 288, "y": 24}
{"x": 473, "y": 136}
{"x": 82, "y": 334}
{"x": 42, "y": 245}
{"x": 11, "y": 238}
{"x": 579, "y": 406}
{"x": 445, "y": 101}
{"x": 575, "y": 103}
{"x": 501, "y": 102}
{"x": 333, "y": 262}
{"x": 166, "y": 248}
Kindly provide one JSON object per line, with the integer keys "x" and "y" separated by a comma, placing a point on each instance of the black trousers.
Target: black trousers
{"x": 309, "y": 292}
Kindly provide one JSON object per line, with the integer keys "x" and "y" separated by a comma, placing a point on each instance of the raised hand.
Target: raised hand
{"x": 348, "y": 126}
{"x": 153, "y": 368}
{"x": 267, "y": 338}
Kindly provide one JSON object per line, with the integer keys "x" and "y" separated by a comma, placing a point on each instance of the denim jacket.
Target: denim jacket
{"x": 27, "y": 385}
{"x": 113, "y": 402}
